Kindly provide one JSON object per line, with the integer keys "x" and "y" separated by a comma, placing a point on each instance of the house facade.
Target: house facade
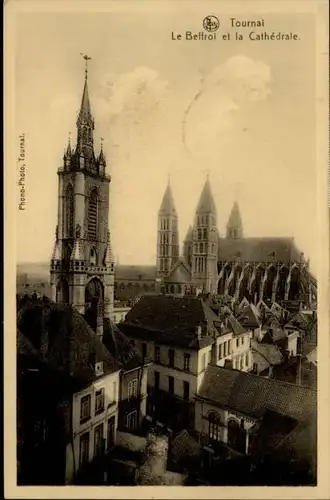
{"x": 232, "y": 406}
{"x": 95, "y": 421}
{"x": 181, "y": 336}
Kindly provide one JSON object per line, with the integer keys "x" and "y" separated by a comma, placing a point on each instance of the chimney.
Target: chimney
{"x": 199, "y": 331}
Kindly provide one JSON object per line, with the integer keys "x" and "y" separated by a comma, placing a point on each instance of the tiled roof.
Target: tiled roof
{"x": 234, "y": 325}
{"x": 249, "y": 317}
{"x": 278, "y": 311}
{"x": 183, "y": 446}
{"x": 298, "y": 321}
{"x": 171, "y": 320}
{"x": 120, "y": 347}
{"x": 270, "y": 321}
{"x": 73, "y": 347}
{"x": 253, "y": 395}
{"x": 258, "y": 249}
{"x": 269, "y": 352}
{"x": 273, "y": 428}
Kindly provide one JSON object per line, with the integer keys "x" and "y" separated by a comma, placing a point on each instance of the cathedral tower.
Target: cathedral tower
{"x": 168, "y": 234}
{"x": 234, "y": 224}
{"x": 205, "y": 242}
{"x": 82, "y": 265}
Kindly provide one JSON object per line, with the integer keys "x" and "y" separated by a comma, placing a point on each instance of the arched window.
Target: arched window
{"x": 93, "y": 257}
{"x": 201, "y": 248}
{"x": 205, "y": 234}
{"x": 69, "y": 212}
{"x": 214, "y": 426}
{"x": 92, "y": 215}
{"x": 62, "y": 291}
{"x": 132, "y": 389}
{"x": 199, "y": 234}
{"x": 131, "y": 420}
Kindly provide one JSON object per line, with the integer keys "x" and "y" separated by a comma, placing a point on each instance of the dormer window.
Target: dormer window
{"x": 99, "y": 369}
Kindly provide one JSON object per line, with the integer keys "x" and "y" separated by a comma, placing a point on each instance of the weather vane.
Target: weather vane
{"x": 87, "y": 58}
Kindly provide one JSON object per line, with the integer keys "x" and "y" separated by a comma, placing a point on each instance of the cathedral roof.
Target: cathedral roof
{"x": 135, "y": 273}
{"x": 167, "y": 206}
{"x": 258, "y": 249}
{"x": 206, "y": 203}
{"x": 235, "y": 219}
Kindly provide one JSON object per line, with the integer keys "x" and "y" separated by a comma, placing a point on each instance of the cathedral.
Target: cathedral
{"x": 82, "y": 265}
{"x": 234, "y": 266}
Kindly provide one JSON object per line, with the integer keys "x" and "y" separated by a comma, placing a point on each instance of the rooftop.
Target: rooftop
{"x": 258, "y": 249}
{"x": 172, "y": 320}
{"x": 62, "y": 338}
{"x": 253, "y": 395}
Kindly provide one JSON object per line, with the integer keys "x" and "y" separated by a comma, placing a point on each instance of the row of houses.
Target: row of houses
{"x": 182, "y": 363}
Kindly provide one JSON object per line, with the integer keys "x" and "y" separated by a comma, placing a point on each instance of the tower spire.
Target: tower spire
{"x": 206, "y": 202}
{"x": 85, "y": 122}
{"x": 234, "y": 224}
{"x": 168, "y": 207}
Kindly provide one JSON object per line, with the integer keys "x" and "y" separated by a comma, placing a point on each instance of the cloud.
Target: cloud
{"x": 133, "y": 104}
{"x": 223, "y": 92}
{"x": 140, "y": 88}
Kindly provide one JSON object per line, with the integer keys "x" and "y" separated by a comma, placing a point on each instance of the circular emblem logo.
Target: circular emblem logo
{"x": 211, "y": 23}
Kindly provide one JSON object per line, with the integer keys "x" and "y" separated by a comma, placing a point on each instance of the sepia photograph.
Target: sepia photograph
{"x": 166, "y": 248}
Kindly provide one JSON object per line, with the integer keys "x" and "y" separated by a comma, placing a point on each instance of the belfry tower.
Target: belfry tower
{"x": 82, "y": 265}
{"x": 168, "y": 234}
{"x": 205, "y": 242}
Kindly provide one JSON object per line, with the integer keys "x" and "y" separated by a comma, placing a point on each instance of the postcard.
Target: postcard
{"x": 166, "y": 249}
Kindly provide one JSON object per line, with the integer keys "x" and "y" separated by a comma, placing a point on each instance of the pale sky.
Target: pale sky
{"x": 252, "y": 127}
